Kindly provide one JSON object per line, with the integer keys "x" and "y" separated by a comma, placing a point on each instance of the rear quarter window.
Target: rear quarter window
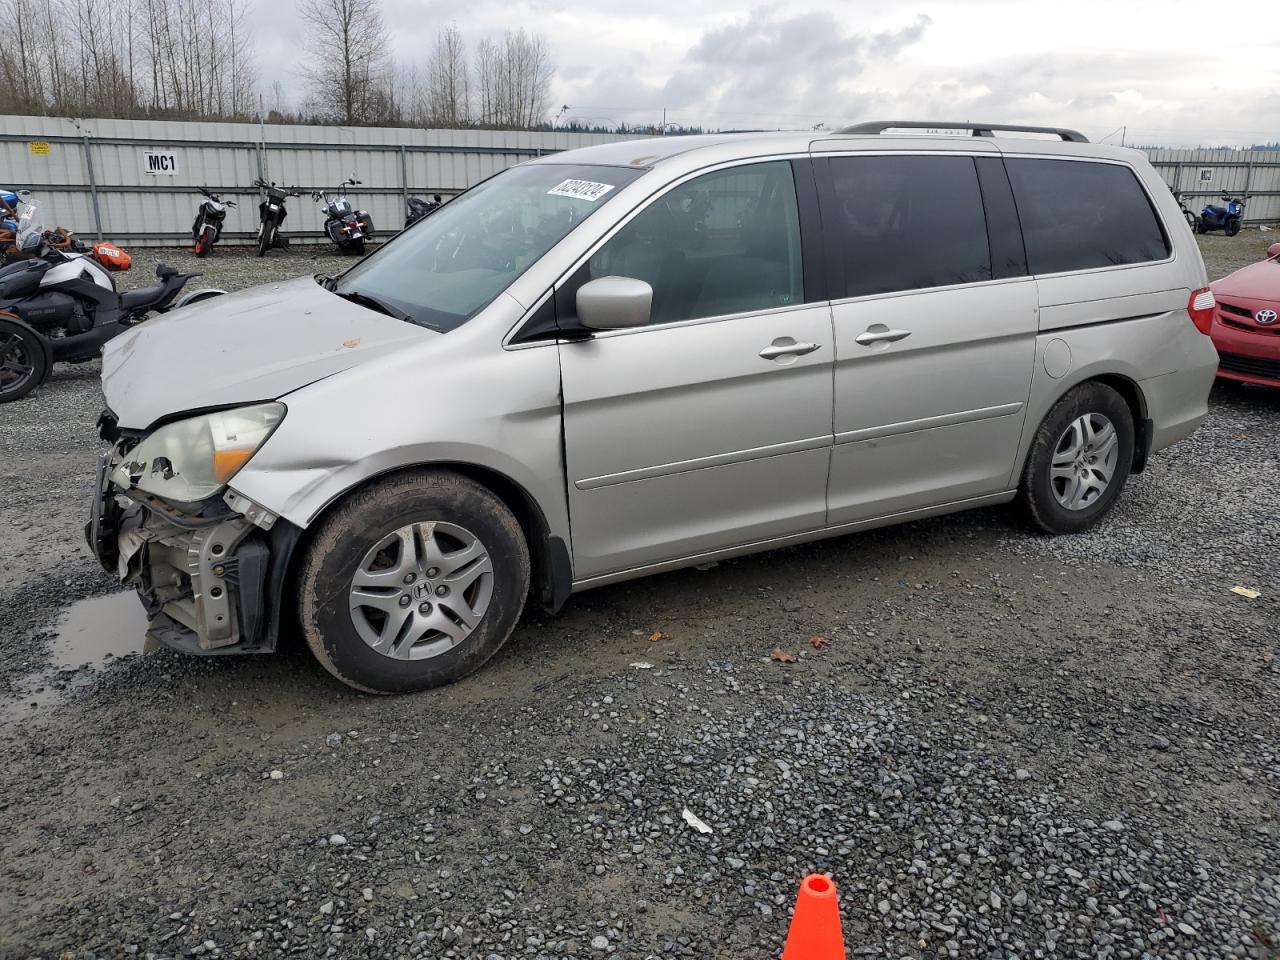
{"x": 1080, "y": 215}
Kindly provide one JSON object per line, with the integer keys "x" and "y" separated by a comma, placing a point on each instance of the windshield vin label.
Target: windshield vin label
{"x": 580, "y": 190}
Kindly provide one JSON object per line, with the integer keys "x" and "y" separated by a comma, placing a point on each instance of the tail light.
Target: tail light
{"x": 1201, "y": 307}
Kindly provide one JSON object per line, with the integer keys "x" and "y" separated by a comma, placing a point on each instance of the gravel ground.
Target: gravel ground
{"x": 1012, "y": 745}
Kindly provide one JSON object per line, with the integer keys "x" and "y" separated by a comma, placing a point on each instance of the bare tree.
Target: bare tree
{"x": 513, "y": 80}
{"x": 193, "y": 59}
{"x": 348, "y": 63}
{"x": 448, "y": 87}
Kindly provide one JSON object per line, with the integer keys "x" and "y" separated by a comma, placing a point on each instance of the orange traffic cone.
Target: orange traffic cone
{"x": 815, "y": 926}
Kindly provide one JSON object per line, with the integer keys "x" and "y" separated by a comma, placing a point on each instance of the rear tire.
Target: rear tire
{"x": 264, "y": 239}
{"x": 358, "y": 247}
{"x": 25, "y": 361}
{"x": 412, "y": 582}
{"x": 1079, "y": 460}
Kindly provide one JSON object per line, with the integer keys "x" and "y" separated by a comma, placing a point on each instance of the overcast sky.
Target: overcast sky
{"x": 1175, "y": 73}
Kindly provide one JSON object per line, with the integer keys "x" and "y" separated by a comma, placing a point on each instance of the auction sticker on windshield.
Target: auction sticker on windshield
{"x": 580, "y": 190}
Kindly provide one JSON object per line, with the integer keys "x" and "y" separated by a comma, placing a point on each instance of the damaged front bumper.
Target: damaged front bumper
{"x": 211, "y": 575}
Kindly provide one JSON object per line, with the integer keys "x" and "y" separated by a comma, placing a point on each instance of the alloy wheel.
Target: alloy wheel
{"x": 421, "y": 590}
{"x": 17, "y": 361}
{"x": 1084, "y": 461}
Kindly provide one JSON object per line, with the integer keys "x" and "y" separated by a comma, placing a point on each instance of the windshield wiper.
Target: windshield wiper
{"x": 373, "y": 303}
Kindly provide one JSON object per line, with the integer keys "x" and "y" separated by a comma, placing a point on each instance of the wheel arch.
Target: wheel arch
{"x": 549, "y": 557}
{"x": 1130, "y": 391}
{"x": 1134, "y": 399}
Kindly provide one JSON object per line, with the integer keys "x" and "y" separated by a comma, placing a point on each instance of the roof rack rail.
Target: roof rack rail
{"x": 978, "y": 129}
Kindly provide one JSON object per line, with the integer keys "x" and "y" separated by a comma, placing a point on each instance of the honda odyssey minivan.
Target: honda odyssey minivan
{"x": 639, "y": 356}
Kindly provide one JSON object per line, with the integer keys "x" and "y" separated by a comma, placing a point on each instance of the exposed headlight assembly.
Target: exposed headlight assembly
{"x": 189, "y": 460}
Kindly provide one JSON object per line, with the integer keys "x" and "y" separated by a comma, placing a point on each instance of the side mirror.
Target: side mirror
{"x": 614, "y": 303}
{"x": 1273, "y": 251}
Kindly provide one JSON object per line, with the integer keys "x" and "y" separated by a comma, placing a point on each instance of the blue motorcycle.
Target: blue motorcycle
{"x": 1227, "y": 219}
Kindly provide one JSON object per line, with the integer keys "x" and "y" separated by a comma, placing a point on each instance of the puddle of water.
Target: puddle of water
{"x": 92, "y": 632}
{"x": 89, "y": 635}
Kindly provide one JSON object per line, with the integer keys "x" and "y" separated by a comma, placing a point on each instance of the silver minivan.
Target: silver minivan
{"x": 639, "y": 356}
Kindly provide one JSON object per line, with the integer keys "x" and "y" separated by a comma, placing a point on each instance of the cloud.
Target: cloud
{"x": 720, "y": 64}
{"x": 762, "y": 69}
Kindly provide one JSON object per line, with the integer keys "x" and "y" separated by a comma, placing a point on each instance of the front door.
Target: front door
{"x": 711, "y": 426}
{"x": 935, "y": 322}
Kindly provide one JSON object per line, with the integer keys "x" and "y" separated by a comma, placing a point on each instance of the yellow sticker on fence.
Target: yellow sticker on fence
{"x": 39, "y": 148}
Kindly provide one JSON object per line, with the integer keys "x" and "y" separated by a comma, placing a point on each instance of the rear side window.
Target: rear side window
{"x": 904, "y": 223}
{"x": 1079, "y": 215}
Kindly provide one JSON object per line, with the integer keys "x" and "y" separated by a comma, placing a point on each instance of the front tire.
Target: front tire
{"x": 413, "y": 582}
{"x": 1079, "y": 460}
{"x": 1232, "y": 227}
{"x": 265, "y": 232}
{"x": 24, "y": 359}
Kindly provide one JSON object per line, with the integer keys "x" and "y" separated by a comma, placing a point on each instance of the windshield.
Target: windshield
{"x": 30, "y": 226}
{"x": 445, "y": 269}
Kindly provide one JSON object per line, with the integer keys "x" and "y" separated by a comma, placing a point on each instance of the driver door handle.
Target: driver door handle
{"x": 879, "y": 333}
{"x": 788, "y": 347}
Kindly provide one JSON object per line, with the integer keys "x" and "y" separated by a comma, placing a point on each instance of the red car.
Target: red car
{"x": 1246, "y": 322}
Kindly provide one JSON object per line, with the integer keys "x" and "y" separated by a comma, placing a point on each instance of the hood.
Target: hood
{"x": 258, "y": 344}
{"x": 1258, "y": 281}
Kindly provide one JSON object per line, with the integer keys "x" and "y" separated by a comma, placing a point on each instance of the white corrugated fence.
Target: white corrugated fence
{"x": 134, "y": 180}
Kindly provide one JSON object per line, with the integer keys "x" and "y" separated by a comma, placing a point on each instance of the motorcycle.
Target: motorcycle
{"x": 207, "y": 228}
{"x": 419, "y": 209}
{"x": 271, "y": 212}
{"x": 62, "y": 240}
{"x": 1186, "y": 211}
{"x": 62, "y": 306}
{"x": 347, "y": 227}
{"x": 1227, "y": 219}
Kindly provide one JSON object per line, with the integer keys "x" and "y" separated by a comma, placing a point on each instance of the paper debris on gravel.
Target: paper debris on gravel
{"x": 782, "y": 656}
{"x": 642, "y": 665}
{"x": 1246, "y": 592}
{"x": 658, "y": 635}
{"x": 694, "y": 821}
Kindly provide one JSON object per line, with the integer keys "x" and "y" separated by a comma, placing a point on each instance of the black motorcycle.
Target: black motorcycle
{"x": 271, "y": 213}
{"x": 419, "y": 209}
{"x": 63, "y": 306}
{"x": 207, "y": 228}
{"x": 347, "y": 227}
{"x": 1186, "y": 211}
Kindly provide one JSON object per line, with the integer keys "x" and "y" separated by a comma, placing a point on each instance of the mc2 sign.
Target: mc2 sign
{"x": 162, "y": 164}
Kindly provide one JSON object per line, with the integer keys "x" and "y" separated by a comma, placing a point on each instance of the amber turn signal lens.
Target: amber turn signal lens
{"x": 227, "y": 462}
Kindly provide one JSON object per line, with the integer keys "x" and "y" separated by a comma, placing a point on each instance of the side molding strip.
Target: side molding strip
{"x": 701, "y": 463}
{"x": 928, "y": 423}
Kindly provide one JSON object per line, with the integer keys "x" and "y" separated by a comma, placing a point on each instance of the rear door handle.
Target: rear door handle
{"x": 785, "y": 346}
{"x": 879, "y": 333}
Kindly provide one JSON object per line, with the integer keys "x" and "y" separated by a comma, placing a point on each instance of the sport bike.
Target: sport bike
{"x": 207, "y": 228}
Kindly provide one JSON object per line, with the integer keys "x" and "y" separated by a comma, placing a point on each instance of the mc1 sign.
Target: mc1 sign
{"x": 160, "y": 164}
